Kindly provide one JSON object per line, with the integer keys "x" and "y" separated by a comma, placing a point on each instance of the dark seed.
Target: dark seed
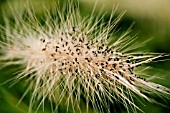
{"x": 97, "y": 75}
{"x": 66, "y": 43}
{"x": 114, "y": 66}
{"x": 76, "y": 59}
{"x": 70, "y": 34}
{"x": 109, "y": 59}
{"x": 128, "y": 61}
{"x": 117, "y": 77}
{"x": 81, "y": 40}
{"x": 43, "y": 49}
{"x": 116, "y": 59}
{"x": 77, "y": 49}
{"x": 52, "y": 55}
{"x": 74, "y": 29}
{"x": 43, "y": 41}
{"x": 86, "y": 58}
{"x": 111, "y": 69}
{"x": 76, "y": 70}
{"x": 100, "y": 48}
{"x": 120, "y": 73}
{"x": 131, "y": 79}
{"x": 56, "y": 50}
{"x": 69, "y": 69}
{"x": 138, "y": 65}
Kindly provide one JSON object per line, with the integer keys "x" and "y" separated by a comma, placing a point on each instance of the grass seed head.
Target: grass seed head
{"x": 70, "y": 57}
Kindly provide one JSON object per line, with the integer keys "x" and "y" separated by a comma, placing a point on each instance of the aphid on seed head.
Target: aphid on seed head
{"x": 74, "y": 61}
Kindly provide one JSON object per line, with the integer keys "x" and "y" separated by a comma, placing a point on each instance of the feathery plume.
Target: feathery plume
{"x": 69, "y": 57}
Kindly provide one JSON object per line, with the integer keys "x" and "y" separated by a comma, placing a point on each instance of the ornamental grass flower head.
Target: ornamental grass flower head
{"x": 72, "y": 59}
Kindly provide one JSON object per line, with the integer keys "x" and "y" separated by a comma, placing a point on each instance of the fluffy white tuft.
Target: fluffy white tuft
{"x": 69, "y": 57}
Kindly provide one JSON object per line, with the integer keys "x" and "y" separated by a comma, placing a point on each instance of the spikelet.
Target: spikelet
{"x": 70, "y": 57}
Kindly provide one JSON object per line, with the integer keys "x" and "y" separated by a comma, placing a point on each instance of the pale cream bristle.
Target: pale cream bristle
{"x": 71, "y": 57}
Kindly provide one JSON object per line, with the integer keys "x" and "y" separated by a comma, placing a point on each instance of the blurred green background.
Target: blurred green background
{"x": 152, "y": 20}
